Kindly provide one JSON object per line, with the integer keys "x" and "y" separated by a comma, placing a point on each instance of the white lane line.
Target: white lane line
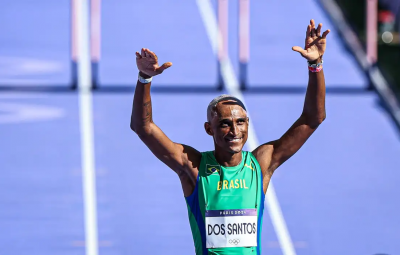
{"x": 232, "y": 85}
{"x": 86, "y": 126}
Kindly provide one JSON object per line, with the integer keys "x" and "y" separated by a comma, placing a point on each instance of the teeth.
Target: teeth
{"x": 235, "y": 139}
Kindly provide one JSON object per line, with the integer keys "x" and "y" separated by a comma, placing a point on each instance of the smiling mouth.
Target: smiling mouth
{"x": 233, "y": 139}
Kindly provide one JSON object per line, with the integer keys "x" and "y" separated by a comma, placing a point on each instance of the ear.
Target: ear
{"x": 248, "y": 120}
{"x": 208, "y": 129}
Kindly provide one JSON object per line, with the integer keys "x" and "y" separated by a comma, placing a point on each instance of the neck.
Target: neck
{"x": 228, "y": 159}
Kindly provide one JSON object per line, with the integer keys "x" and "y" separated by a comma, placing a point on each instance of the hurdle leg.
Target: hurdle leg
{"x": 74, "y": 48}
{"x": 95, "y": 40}
{"x": 244, "y": 41}
{"x": 222, "y": 38}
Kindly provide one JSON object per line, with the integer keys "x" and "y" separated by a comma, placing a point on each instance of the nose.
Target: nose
{"x": 235, "y": 129}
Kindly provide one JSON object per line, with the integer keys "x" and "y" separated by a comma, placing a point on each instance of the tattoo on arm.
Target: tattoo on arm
{"x": 147, "y": 115}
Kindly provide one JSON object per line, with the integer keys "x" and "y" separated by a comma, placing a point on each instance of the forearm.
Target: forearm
{"x": 314, "y": 104}
{"x": 141, "y": 117}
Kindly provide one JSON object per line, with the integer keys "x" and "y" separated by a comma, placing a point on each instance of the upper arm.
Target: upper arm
{"x": 180, "y": 158}
{"x": 273, "y": 154}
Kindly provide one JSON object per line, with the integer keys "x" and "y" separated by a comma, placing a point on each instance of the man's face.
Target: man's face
{"x": 228, "y": 125}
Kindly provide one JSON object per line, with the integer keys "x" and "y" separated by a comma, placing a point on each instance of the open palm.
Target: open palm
{"x": 315, "y": 44}
{"x": 147, "y": 63}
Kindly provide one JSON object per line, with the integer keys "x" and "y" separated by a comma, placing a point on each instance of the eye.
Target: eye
{"x": 241, "y": 121}
{"x": 224, "y": 124}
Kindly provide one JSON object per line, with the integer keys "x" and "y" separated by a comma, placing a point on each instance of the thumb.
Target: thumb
{"x": 298, "y": 49}
{"x": 164, "y": 66}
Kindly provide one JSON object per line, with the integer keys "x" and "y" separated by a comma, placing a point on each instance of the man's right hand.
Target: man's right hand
{"x": 147, "y": 63}
{"x": 183, "y": 159}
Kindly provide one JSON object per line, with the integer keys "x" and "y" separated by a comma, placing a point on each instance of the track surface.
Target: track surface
{"x": 338, "y": 194}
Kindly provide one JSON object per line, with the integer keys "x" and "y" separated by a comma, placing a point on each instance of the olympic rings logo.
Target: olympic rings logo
{"x": 234, "y": 241}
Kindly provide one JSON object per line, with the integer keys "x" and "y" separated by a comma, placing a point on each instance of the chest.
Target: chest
{"x": 226, "y": 190}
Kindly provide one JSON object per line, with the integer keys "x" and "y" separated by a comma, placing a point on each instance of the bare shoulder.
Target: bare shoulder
{"x": 189, "y": 170}
{"x": 191, "y": 159}
{"x": 263, "y": 154}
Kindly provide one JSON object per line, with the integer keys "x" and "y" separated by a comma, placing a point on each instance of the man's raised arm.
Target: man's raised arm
{"x": 178, "y": 157}
{"x": 271, "y": 155}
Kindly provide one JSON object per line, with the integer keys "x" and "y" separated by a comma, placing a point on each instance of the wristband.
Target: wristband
{"x": 144, "y": 80}
{"x": 315, "y": 68}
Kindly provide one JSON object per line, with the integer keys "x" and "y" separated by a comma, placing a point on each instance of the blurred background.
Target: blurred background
{"x": 388, "y": 27}
{"x": 74, "y": 179}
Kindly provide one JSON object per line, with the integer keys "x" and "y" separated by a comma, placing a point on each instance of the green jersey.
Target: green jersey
{"x": 226, "y": 207}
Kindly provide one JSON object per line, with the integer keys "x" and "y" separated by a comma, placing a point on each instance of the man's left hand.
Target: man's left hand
{"x": 315, "y": 44}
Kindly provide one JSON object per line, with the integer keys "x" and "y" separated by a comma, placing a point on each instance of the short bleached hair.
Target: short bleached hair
{"x": 213, "y": 104}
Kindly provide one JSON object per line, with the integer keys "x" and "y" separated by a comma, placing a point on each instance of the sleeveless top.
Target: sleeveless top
{"x": 226, "y": 207}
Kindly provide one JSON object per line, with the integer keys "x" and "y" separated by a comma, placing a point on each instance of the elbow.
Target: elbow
{"x": 133, "y": 128}
{"x": 140, "y": 130}
{"x": 133, "y": 125}
{"x": 315, "y": 121}
{"x": 136, "y": 128}
{"x": 322, "y": 118}
{"x": 319, "y": 121}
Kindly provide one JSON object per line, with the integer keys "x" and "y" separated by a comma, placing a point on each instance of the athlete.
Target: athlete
{"x": 224, "y": 188}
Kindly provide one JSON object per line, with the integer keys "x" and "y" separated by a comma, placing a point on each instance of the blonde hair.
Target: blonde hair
{"x": 225, "y": 97}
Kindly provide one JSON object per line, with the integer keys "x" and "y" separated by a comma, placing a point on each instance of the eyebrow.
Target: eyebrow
{"x": 229, "y": 119}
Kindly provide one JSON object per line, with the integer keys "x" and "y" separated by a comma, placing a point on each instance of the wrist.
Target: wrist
{"x": 315, "y": 61}
{"x": 144, "y": 76}
{"x": 315, "y": 68}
